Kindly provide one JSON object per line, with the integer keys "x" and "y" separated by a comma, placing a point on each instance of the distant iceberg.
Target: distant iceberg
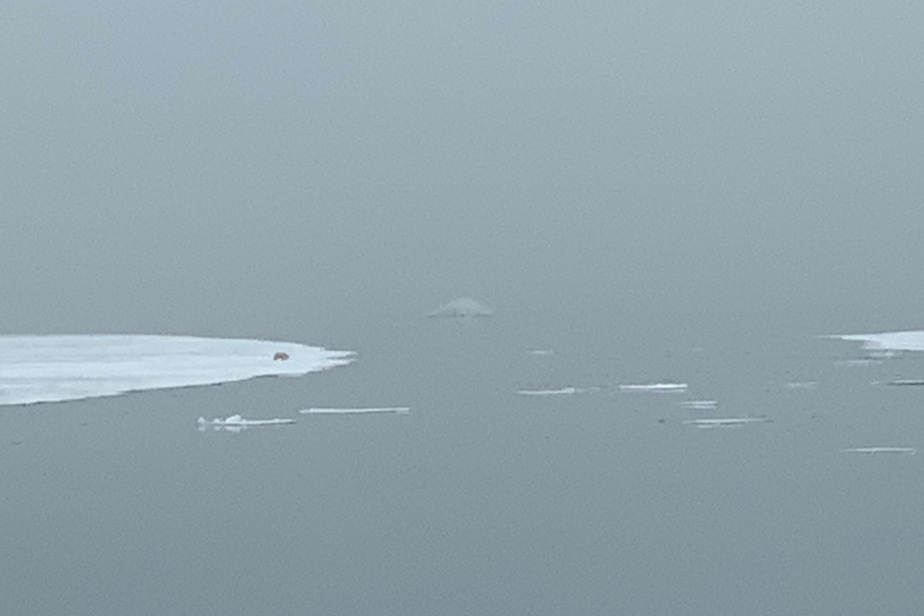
{"x": 57, "y": 368}
{"x": 464, "y": 307}
{"x": 236, "y": 423}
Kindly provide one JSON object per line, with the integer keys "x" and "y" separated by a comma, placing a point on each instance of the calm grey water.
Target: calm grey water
{"x": 479, "y": 500}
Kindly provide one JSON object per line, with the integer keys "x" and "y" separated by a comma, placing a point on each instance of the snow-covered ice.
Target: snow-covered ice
{"x": 56, "y": 368}
{"x": 888, "y": 341}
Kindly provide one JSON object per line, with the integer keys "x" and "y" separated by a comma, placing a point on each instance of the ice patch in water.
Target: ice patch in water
{"x": 656, "y": 387}
{"x": 564, "y": 391}
{"x": 700, "y": 405}
{"x": 400, "y": 410}
{"x": 908, "y": 451}
{"x": 730, "y": 422}
{"x": 464, "y": 307}
{"x": 56, "y": 368}
{"x": 801, "y": 385}
{"x": 236, "y": 423}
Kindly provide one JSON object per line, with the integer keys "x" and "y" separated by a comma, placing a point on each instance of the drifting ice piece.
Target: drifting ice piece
{"x": 464, "y": 307}
{"x": 907, "y": 382}
{"x": 400, "y": 410}
{"x": 55, "y": 368}
{"x": 564, "y": 391}
{"x": 908, "y": 451}
{"x": 236, "y": 423}
{"x": 730, "y": 422}
{"x": 656, "y": 387}
{"x": 700, "y": 405}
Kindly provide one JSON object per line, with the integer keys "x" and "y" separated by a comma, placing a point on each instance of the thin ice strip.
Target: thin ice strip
{"x": 908, "y": 451}
{"x": 400, "y": 410}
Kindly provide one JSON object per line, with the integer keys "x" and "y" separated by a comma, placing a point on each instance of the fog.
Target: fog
{"x": 650, "y": 192}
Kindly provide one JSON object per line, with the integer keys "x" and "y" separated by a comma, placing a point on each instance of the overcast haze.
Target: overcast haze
{"x": 197, "y": 167}
{"x": 603, "y": 176}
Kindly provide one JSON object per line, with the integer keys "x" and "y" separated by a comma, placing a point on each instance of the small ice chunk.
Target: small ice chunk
{"x": 801, "y": 385}
{"x": 656, "y": 387}
{"x": 729, "y": 422}
{"x": 564, "y": 391}
{"x": 541, "y": 352}
{"x": 235, "y": 423}
{"x": 907, "y": 382}
{"x": 908, "y": 451}
{"x": 699, "y": 405}
{"x": 463, "y": 307}
{"x": 400, "y": 410}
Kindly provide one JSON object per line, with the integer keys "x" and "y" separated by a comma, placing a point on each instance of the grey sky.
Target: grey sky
{"x": 284, "y": 157}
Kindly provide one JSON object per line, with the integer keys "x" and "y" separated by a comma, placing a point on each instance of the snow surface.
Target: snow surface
{"x": 888, "y": 341}
{"x": 56, "y": 368}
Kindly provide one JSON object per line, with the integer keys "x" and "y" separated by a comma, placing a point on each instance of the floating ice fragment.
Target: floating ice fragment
{"x": 656, "y": 387}
{"x": 236, "y": 423}
{"x": 730, "y": 422}
{"x": 801, "y": 385}
{"x": 55, "y": 368}
{"x": 564, "y": 391}
{"x": 907, "y": 382}
{"x": 541, "y": 352}
{"x": 908, "y": 451}
{"x": 700, "y": 405}
{"x": 400, "y": 410}
{"x": 464, "y": 307}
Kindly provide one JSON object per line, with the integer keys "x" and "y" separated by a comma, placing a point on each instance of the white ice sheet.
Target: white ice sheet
{"x": 55, "y": 368}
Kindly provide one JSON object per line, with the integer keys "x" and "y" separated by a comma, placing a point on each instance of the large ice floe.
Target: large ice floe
{"x": 56, "y": 368}
{"x": 463, "y": 307}
{"x": 887, "y": 342}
